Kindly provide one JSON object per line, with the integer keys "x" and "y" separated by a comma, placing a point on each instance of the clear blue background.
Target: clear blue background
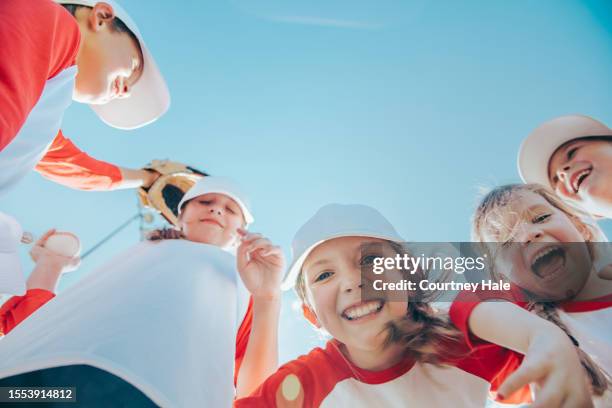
{"x": 408, "y": 106}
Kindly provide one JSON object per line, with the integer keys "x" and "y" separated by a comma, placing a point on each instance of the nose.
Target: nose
{"x": 123, "y": 88}
{"x": 563, "y": 172}
{"x": 530, "y": 234}
{"x": 215, "y": 210}
{"x": 352, "y": 281}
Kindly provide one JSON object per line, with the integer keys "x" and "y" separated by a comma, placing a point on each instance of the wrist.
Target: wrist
{"x": 271, "y": 298}
{"x": 148, "y": 177}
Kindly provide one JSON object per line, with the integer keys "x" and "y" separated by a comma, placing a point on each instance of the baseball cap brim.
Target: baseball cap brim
{"x": 149, "y": 97}
{"x": 295, "y": 268}
{"x": 537, "y": 149}
{"x": 219, "y": 185}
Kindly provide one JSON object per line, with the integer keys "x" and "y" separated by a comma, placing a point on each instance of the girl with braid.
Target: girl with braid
{"x": 393, "y": 351}
{"x": 543, "y": 246}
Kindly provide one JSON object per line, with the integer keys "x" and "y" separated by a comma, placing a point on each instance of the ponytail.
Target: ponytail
{"x": 427, "y": 335}
{"x": 164, "y": 233}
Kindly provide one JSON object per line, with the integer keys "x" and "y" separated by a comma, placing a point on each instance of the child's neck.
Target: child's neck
{"x": 595, "y": 287}
{"x": 374, "y": 360}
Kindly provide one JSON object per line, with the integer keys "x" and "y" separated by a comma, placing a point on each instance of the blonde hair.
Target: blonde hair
{"x": 489, "y": 216}
{"x": 425, "y": 332}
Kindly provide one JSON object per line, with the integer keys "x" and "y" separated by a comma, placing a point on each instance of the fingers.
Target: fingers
{"x": 525, "y": 374}
{"x": 41, "y": 241}
{"x": 605, "y": 272}
{"x": 549, "y": 395}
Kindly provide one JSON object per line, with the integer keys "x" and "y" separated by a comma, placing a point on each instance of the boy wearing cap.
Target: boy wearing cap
{"x": 49, "y": 58}
{"x": 573, "y": 155}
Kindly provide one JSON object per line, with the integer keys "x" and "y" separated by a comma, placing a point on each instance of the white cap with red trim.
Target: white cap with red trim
{"x": 537, "y": 149}
{"x": 149, "y": 97}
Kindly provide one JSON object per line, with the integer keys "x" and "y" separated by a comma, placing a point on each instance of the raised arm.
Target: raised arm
{"x": 66, "y": 164}
{"x": 551, "y": 361}
{"x": 260, "y": 265}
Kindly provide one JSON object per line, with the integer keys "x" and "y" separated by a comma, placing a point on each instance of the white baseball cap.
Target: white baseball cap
{"x": 537, "y": 149}
{"x": 12, "y": 280}
{"x": 220, "y": 185}
{"x": 336, "y": 221}
{"x": 149, "y": 97}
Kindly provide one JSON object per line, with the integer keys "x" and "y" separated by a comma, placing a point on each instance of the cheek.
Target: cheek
{"x": 322, "y": 303}
{"x": 397, "y": 310}
{"x": 511, "y": 265}
{"x": 91, "y": 77}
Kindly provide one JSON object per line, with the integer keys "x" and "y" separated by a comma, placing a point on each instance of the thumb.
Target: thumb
{"x": 605, "y": 272}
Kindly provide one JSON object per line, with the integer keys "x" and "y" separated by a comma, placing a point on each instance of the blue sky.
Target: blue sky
{"x": 408, "y": 106}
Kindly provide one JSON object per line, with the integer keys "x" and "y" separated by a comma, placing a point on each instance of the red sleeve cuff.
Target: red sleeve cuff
{"x": 462, "y": 307}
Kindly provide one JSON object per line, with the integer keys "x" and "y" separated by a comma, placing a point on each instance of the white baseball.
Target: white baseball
{"x": 64, "y": 243}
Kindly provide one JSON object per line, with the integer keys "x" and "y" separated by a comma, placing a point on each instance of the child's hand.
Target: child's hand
{"x": 260, "y": 265}
{"x": 45, "y": 257}
{"x": 551, "y": 362}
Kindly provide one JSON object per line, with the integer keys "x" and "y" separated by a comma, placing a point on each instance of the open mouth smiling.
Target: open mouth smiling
{"x": 578, "y": 178}
{"x": 363, "y": 309}
{"x": 548, "y": 261}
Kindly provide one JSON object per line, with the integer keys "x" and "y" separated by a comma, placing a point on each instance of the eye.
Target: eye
{"x": 205, "y": 202}
{"x": 572, "y": 152}
{"x": 368, "y": 259}
{"x": 322, "y": 276}
{"x": 540, "y": 218}
{"x": 231, "y": 210}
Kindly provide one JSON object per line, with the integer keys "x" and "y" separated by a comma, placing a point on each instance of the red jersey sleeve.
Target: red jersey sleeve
{"x": 304, "y": 382}
{"x": 39, "y": 39}
{"x": 66, "y": 164}
{"x": 489, "y": 361}
{"x": 283, "y": 389}
{"x": 18, "y": 308}
{"x": 242, "y": 338}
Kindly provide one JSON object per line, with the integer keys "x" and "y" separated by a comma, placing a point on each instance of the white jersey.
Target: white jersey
{"x": 162, "y": 316}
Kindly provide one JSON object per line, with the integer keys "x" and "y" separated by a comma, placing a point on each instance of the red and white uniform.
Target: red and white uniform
{"x": 325, "y": 378}
{"x": 40, "y": 42}
{"x": 18, "y": 308}
{"x": 590, "y": 322}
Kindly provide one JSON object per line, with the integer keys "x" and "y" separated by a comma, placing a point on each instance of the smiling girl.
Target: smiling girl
{"x": 573, "y": 155}
{"x": 543, "y": 246}
{"x": 396, "y": 352}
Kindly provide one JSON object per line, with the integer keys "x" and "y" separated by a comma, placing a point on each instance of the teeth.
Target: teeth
{"x": 543, "y": 253}
{"x": 578, "y": 179}
{"x": 363, "y": 309}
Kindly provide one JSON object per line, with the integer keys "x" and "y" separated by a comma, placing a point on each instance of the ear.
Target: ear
{"x": 310, "y": 315}
{"x": 102, "y": 14}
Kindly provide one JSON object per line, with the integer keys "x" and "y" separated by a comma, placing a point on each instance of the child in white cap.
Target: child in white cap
{"x": 50, "y": 57}
{"x": 171, "y": 317}
{"x": 215, "y": 211}
{"x": 573, "y": 155}
{"x": 543, "y": 246}
{"x": 400, "y": 353}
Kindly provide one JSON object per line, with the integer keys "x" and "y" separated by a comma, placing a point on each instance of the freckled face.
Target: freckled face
{"x": 541, "y": 250}
{"x": 332, "y": 273}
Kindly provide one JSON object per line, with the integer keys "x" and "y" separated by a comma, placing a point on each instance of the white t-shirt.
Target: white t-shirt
{"x": 162, "y": 316}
